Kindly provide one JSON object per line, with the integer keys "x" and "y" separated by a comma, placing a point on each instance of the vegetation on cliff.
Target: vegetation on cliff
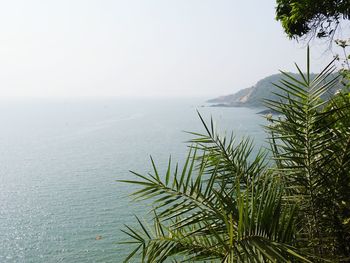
{"x": 263, "y": 89}
{"x": 227, "y": 205}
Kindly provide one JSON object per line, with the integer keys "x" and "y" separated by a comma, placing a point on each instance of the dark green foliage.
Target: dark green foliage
{"x": 227, "y": 204}
{"x": 311, "y": 148}
{"x": 220, "y": 206}
{"x": 317, "y": 17}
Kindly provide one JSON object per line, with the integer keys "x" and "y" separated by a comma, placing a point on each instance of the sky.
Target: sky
{"x": 143, "y": 48}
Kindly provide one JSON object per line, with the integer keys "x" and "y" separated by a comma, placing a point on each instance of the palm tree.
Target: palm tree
{"x": 311, "y": 149}
{"x": 227, "y": 204}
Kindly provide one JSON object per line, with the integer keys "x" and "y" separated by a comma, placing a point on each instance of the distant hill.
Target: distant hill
{"x": 253, "y": 96}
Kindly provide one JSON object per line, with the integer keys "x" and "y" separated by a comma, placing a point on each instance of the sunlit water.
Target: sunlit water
{"x": 60, "y": 159}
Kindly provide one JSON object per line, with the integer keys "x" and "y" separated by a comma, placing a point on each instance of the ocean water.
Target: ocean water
{"x": 60, "y": 159}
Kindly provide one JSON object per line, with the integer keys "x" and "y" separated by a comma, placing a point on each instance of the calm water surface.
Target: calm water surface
{"x": 60, "y": 159}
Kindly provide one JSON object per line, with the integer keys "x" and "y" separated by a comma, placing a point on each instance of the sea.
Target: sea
{"x": 60, "y": 160}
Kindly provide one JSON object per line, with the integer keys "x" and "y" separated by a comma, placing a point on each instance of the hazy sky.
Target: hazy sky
{"x": 141, "y": 47}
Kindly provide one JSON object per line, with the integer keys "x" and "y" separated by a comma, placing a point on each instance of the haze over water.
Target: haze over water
{"x": 60, "y": 159}
{"x": 60, "y": 156}
{"x": 143, "y": 48}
